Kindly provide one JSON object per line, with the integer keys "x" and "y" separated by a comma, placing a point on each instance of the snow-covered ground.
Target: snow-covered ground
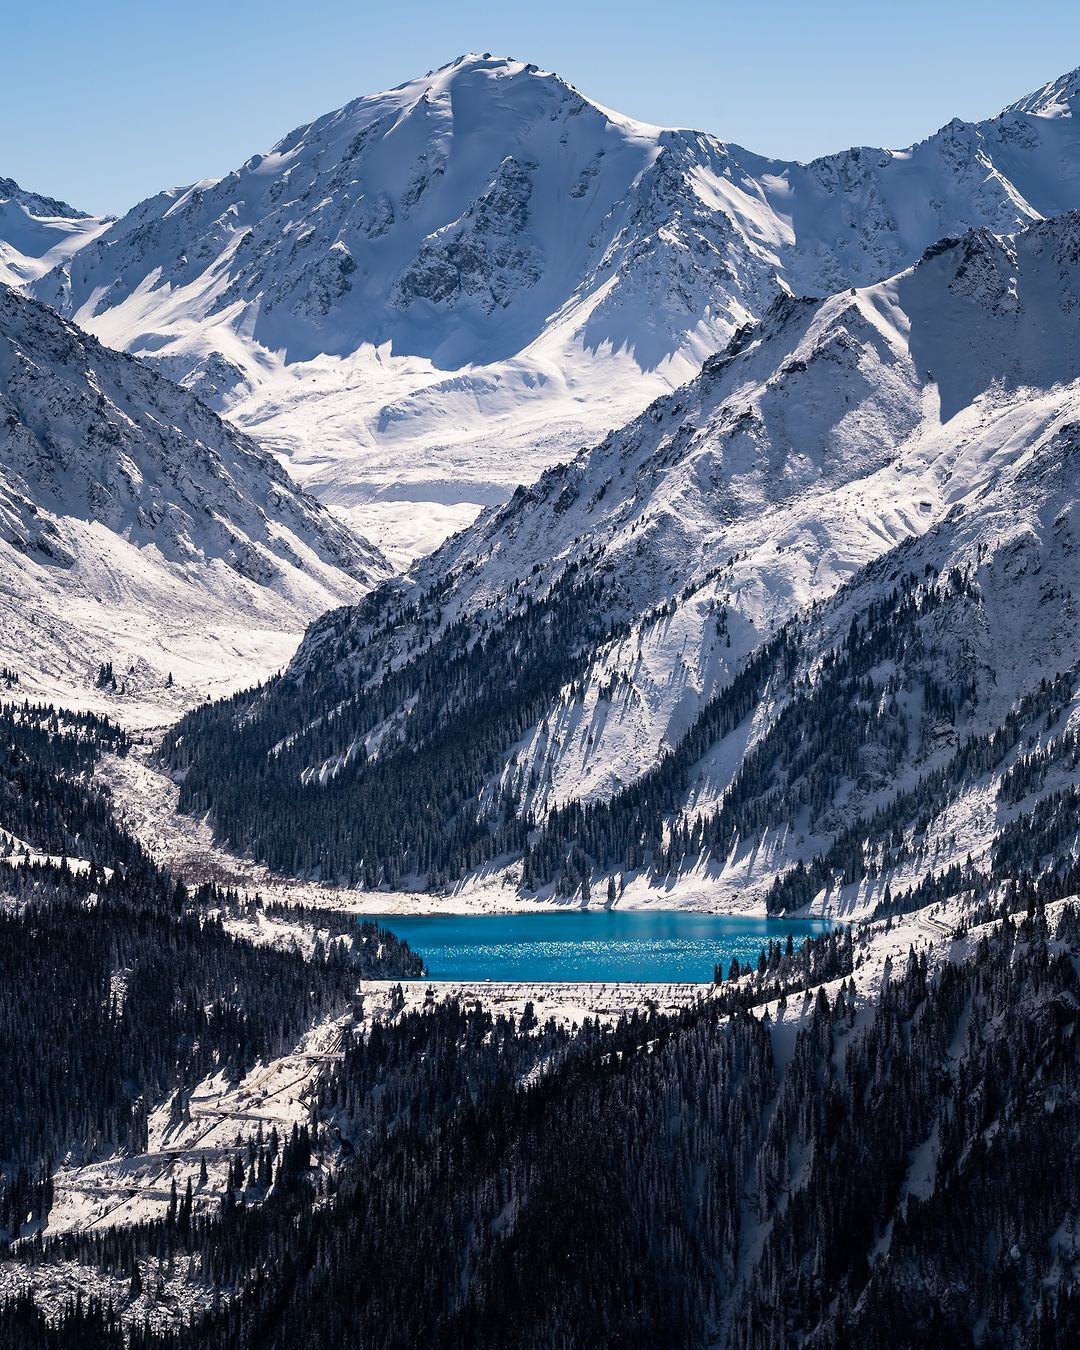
{"x": 219, "y": 1120}
{"x": 128, "y": 1188}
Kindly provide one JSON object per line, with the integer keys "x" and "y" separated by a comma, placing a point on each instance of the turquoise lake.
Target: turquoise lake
{"x": 665, "y": 946}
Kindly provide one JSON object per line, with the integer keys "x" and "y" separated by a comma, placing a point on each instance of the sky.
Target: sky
{"x": 112, "y": 101}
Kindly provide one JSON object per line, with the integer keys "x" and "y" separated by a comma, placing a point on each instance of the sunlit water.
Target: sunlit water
{"x": 665, "y": 946}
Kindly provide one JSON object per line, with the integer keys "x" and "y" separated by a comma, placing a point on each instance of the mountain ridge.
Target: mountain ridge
{"x": 38, "y": 233}
{"x": 137, "y": 529}
{"x": 683, "y": 583}
{"x": 435, "y": 292}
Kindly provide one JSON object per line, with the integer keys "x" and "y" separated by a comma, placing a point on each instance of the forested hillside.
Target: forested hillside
{"x": 827, "y": 1175}
{"x": 117, "y": 990}
{"x": 738, "y": 645}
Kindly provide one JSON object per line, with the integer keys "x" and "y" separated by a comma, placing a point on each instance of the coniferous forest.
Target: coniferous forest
{"x": 665, "y": 1181}
{"x": 824, "y": 1175}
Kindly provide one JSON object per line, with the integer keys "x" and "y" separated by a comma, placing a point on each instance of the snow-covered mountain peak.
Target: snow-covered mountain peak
{"x": 38, "y": 233}
{"x": 450, "y": 216}
{"x": 481, "y": 76}
{"x": 470, "y": 95}
{"x": 433, "y": 293}
{"x": 1059, "y": 98}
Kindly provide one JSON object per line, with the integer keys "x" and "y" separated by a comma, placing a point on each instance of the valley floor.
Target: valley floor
{"x": 146, "y": 797}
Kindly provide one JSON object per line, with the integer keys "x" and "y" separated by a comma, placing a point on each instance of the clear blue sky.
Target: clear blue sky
{"x": 109, "y": 100}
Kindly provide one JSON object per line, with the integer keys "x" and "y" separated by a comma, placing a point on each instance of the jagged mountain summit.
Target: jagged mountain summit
{"x": 746, "y": 624}
{"x": 140, "y": 531}
{"x": 39, "y": 233}
{"x": 436, "y": 292}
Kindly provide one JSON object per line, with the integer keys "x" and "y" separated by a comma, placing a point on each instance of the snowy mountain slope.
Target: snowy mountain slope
{"x": 563, "y": 646}
{"x": 916, "y": 739}
{"x": 1006, "y": 565}
{"x": 138, "y": 528}
{"x": 817, "y": 442}
{"x": 38, "y": 233}
{"x": 436, "y": 292}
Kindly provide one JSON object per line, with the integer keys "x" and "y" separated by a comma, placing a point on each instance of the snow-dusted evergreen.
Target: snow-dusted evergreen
{"x": 436, "y": 292}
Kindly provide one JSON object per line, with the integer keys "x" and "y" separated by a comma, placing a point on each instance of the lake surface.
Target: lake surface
{"x": 665, "y": 946}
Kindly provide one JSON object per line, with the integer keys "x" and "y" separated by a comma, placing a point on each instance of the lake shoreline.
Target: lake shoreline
{"x": 601, "y": 946}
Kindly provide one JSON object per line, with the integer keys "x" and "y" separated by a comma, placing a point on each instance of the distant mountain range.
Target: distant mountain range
{"x": 436, "y": 292}
{"x": 39, "y": 233}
